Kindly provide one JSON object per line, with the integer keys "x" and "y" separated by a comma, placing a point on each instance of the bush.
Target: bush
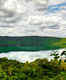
{"x": 40, "y": 69}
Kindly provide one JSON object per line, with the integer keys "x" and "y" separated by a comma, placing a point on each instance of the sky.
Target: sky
{"x": 33, "y": 18}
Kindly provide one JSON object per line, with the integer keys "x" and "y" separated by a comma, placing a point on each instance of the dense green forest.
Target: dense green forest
{"x": 30, "y": 43}
{"x": 40, "y": 69}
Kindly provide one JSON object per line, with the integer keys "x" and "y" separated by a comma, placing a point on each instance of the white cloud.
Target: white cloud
{"x": 41, "y": 1}
{"x": 26, "y": 20}
{"x": 53, "y": 2}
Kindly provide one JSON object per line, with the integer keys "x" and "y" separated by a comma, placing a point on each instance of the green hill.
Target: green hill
{"x": 30, "y": 43}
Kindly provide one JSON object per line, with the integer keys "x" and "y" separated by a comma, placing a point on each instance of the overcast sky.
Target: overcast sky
{"x": 33, "y": 18}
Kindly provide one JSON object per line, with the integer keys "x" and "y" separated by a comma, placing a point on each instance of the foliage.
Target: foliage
{"x": 40, "y": 69}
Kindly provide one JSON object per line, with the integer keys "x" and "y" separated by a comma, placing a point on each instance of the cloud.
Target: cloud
{"x": 53, "y": 2}
{"x": 32, "y": 18}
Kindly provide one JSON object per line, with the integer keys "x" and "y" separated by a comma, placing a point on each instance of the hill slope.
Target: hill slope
{"x": 30, "y": 43}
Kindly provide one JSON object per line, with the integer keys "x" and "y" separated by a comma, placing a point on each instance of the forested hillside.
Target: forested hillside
{"x": 30, "y": 43}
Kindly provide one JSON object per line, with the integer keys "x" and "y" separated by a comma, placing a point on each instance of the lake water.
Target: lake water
{"x": 23, "y": 56}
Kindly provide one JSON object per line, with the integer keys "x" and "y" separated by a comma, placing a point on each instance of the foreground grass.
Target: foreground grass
{"x": 40, "y": 69}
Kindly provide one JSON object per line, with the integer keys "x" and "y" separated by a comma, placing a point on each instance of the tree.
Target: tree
{"x": 55, "y": 54}
{"x": 64, "y": 54}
